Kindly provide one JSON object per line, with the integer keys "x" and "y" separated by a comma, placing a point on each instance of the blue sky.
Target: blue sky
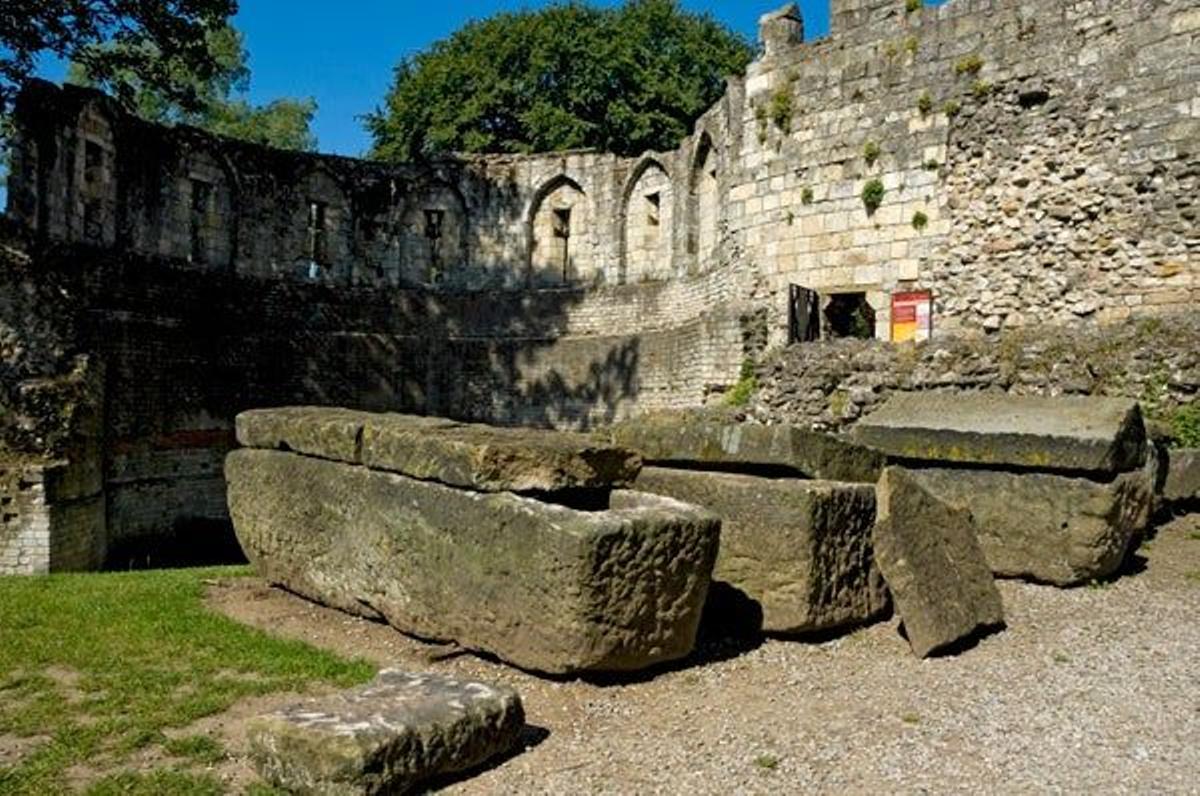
{"x": 343, "y": 53}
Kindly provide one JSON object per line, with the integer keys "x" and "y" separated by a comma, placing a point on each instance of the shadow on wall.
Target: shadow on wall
{"x": 185, "y": 351}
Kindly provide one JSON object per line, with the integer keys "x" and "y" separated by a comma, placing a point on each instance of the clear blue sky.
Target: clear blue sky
{"x": 342, "y": 53}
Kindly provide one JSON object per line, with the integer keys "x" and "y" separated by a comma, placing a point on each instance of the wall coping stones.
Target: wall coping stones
{"x": 673, "y": 437}
{"x": 471, "y": 456}
{"x": 1098, "y": 436}
{"x": 397, "y": 731}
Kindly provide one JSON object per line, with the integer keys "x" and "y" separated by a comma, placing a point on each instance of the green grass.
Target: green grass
{"x": 767, "y": 762}
{"x": 97, "y": 666}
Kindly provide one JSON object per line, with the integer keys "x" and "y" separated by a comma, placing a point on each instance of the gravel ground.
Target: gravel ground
{"x": 1088, "y": 690}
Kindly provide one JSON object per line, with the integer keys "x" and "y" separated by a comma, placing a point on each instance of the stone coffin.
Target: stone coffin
{"x": 1182, "y": 482}
{"x": 931, "y": 559}
{"x": 667, "y": 438}
{"x": 616, "y": 585}
{"x": 1058, "y": 488}
{"x": 385, "y": 737}
{"x": 1096, "y": 436}
{"x": 1045, "y": 527}
{"x": 800, "y": 549}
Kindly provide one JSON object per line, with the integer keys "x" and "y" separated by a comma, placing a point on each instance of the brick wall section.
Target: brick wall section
{"x": 45, "y": 525}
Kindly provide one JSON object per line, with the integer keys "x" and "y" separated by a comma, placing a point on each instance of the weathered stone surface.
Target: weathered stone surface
{"x": 476, "y": 456}
{"x": 1182, "y": 483}
{"x": 1049, "y": 528}
{"x": 325, "y": 432}
{"x": 667, "y": 437}
{"x": 800, "y": 549}
{"x": 385, "y": 737}
{"x": 929, "y": 556}
{"x": 494, "y": 459}
{"x": 543, "y": 586}
{"x": 1096, "y": 435}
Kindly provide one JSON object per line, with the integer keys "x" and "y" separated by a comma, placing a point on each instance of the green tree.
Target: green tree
{"x": 625, "y": 80}
{"x": 216, "y": 105}
{"x": 156, "y": 41}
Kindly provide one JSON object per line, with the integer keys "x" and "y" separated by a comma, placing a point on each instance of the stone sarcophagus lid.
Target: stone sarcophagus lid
{"x": 516, "y": 542}
{"x": 1058, "y": 488}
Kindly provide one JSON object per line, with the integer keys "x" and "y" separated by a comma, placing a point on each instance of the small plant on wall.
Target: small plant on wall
{"x": 968, "y": 65}
{"x": 920, "y": 221}
{"x": 806, "y": 196}
{"x": 871, "y": 152}
{"x": 912, "y": 6}
{"x": 782, "y": 108}
{"x": 872, "y": 195}
{"x": 925, "y": 103}
{"x": 951, "y": 108}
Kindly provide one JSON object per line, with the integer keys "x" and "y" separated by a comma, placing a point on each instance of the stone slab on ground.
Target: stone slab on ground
{"x": 666, "y": 437}
{"x": 550, "y": 588}
{"x": 1182, "y": 483}
{"x": 1101, "y": 436}
{"x": 926, "y": 549}
{"x": 800, "y": 549}
{"x": 469, "y": 455}
{"x": 394, "y": 733}
{"x": 1049, "y": 528}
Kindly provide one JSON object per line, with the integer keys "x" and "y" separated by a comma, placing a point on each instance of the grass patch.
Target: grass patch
{"x": 156, "y": 783}
{"x": 199, "y": 748}
{"x": 1060, "y": 657}
{"x": 767, "y": 762}
{"x": 101, "y": 664}
{"x": 910, "y": 718}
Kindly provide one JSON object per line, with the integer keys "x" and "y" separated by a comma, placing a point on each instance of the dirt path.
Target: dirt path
{"x": 1088, "y": 690}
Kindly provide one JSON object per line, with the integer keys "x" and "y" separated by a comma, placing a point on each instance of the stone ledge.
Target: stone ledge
{"x": 1099, "y": 436}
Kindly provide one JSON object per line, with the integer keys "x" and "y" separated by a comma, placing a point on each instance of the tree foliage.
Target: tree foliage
{"x": 216, "y": 105}
{"x": 625, "y": 80}
{"x": 156, "y": 40}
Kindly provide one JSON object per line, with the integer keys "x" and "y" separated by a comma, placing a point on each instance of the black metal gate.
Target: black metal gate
{"x": 804, "y": 315}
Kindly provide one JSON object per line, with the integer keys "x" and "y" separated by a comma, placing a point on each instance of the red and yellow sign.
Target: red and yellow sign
{"x": 912, "y": 316}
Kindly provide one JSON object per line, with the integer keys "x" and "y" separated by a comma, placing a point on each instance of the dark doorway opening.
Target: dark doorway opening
{"x": 850, "y": 315}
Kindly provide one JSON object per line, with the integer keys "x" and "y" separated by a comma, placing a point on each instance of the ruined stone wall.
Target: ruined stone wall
{"x": 185, "y": 351}
{"x": 1051, "y": 148}
{"x": 1038, "y": 161}
{"x": 829, "y": 385}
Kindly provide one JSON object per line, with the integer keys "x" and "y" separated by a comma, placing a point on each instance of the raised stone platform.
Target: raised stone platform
{"x": 386, "y": 737}
{"x": 567, "y": 581}
{"x": 799, "y": 549}
{"x": 1097, "y": 436}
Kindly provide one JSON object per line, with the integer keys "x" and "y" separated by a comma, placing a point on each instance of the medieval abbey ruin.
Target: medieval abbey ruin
{"x": 955, "y": 170}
